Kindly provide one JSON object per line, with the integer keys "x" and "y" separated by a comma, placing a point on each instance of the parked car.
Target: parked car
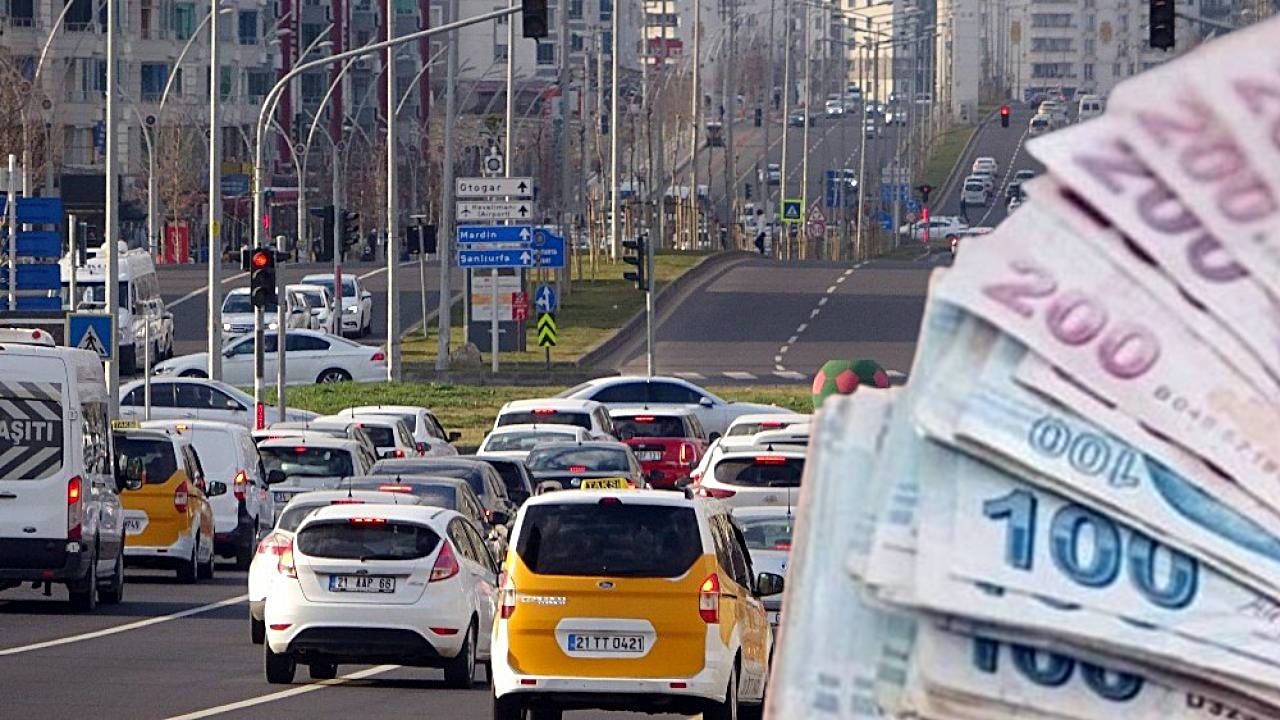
{"x": 311, "y": 357}
{"x": 196, "y": 398}
{"x": 357, "y": 303}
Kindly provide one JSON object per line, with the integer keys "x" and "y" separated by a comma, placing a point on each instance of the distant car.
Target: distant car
{"x": 987, "y": 178}
{"x": 449, "y": 493}
{"x": 517, "y": 441}
{"x": 423, "y": 423}
{"x": 767, "y": 531}
{"x": 1023, "y": 175}
{"x": 974, "y": 192}
{"x": 1088, "y": 107}
{"x": 1039, "y": 125}
{"x": 573, "y": 466}
{"x": 311, "y": 357}
{"x": 870, "y": 129}
{"x": 320, "y": 300}
{"x": 834, "y": 108}
{"x": 237, "y": 313}
{"x": 1014, "y": 204}
{"x": 986, "y": 165}
{"x": 484, "y": 480}
{"x": 583, "y": 412}
{"x": 939, "y": 227}
{"x": 515, "y": 475}
{"x": 357, "y": 303}
{"x": 662, "y": 392}
{"x": 895, "y": 118}
{"x": 1013, "y": 190}
{"x": 297, "y": 465}
{"x": 754, "y": 477}
{"x": 423, "y": 597}
{"x": 196, "y": 398}
{"x": 771, "y": 174}
{"x": 669, "y": 443}
{"x": 389, "y": 433}
{"x": 796, "y": 118}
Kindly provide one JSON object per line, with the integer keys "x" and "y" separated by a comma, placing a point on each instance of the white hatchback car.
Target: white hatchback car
{"x": 587, "y": 414}
{"x": 515, "y": 441}
{"x": 423, "y": 423}
{"x": 265, "y": 566}
{"x": 374, "y": 584}
{"x": 660, "y": 392}
{"x": 747, "y": 478}
{"x": 357, "y": 303}
{"x": 390, "y": 435}
{"x": 986, "y": 164}
{"x": 296, "y": 465}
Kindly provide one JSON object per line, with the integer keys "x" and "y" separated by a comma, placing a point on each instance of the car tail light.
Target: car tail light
{"x": 285, "y": 565}
{"x": 180, "y": 497}
{"x": 695, "y": 477}
{"x": 378, "y": 357}
{"x": 709, "y": 599}
{"x": 643, "y": 418}
{"x": 716, "y": 492}
{"x": 771, "y": 424}
{"x": 395, "y": 488}
{"x": 75, "y": 508}
{"x": 544, "y": 412}
{"x": 367, "y": 521}
{"x": 687, "y": 453}
{"x": 577, "y": 468}
{"x": 273, "y": 544}
{"x": 611, "y": 500}
{"x": 399, "y": 452}
{"x": 347, "y": 501}
{"x": 770, "y": 460}
{"x": 446, "y": 563}
{"x": 240, "y": 484}
{"x": 782, "y": 545}
{"x": 506, "y": 600}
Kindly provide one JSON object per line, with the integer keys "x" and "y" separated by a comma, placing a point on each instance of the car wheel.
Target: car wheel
{"x": 508, "y": 707}
{"x": 193, "y": 374}
{"x": 84, "y": 594}
{"x": 333, "y": 375}
{"x": 257, "y": 630}
{"x": 114, "y": 593}
{"x": 206, "y": 568}
{"x": 727, "y": 710}
{"x": 280, "y": 668}
{"x": 322, "y": 671}
{"x": 189, "y": 570}
{"x": 460, "y": 672}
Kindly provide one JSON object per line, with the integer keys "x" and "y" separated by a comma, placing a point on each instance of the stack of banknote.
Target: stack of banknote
{"x": 1072, "y": 509}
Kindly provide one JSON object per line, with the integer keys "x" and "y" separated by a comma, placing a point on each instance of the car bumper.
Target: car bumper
{"x": 156, "y": 555}
{"x": 55, "y": 560}
{"x": 664, "y": 475}
{"x": 225, "y": 543}
{"x": 350, "y": 323}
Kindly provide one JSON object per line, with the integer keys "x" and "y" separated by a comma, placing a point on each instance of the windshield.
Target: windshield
{"x": 314, "y": 298}
{"x": 620, "y": 540}
{"x": 348, "y": 285}
{"x": 578, "y": 459}
{"x": 240, "y": 303}
{"x": 770, "y": 533}
{"x": 95, "y": 291}
{"x": 649, "y": 426}
{"x": 762, "y": 471}
{"x": 367, "y": 539}
{"x": 751, "y": 428}
{"x": 545, "y": 417}
{"x": 305, "y": 461}
{"x": 382, "y": 437}
{"x": 517, "y": 441}
{"x": 157, "y": 458}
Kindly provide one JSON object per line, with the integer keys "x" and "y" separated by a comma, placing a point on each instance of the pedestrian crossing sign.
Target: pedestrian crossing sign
{"x": 792, "y": 210}
{"x": 90, "y": 332}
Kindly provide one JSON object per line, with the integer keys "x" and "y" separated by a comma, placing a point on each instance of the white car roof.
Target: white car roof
{"x": 368, "y": 496}
{"x": 382, "y": 420}
{"x": 787, "y": 418}
{"x": 422, "y": 514}
{"x": 549, "y": 428}
{"x": 324, "y": 442}
{"x": 550, "y": 404}
{"x": 764, "y": 511}
{"x": 383, "y": 410}
{"x": 590, "y": 497}
{"x": 659, "y": 411}
{"x": 306, "y": 286}
{"x": 791, "y": 453}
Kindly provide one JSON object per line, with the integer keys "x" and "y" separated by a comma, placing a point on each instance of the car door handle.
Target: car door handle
{"x": 8, "y": 496}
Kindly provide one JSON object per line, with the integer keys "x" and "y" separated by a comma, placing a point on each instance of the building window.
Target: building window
{"x": 575, "y": 42}
{"x": 184, "y": 21}
{"x": 499, "y": 52}
{"x": 310, "y": 31}
{"x": 1044, "y": 44}
{"x": 606, "y": 43}
{"x": 144, "y": 14}
{"x": 224, "y": 83}
{"x": 248, "y": 21}
{"x": 575, "y": 9}
{"x": 22, "y": 13}
{"x": 606, "y": 10}
{"x": 1090, "y": 22}
{"x": 1115, "y": 70}
{"x": 1051, "y": 70}
{"x": 154, "y": 77}
{"x": 1124, "y": 23}
{"x": 546, "y": 53}
{"x": 313, "y": 87}
{"x": 260, "y": 82}
{"x": 1051, "y": 20}
{"x": 1090, "y": 46}
{"x": 1088, "y": 71}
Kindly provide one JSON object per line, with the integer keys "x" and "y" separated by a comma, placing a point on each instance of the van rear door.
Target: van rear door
{"x": 35, "y": 460}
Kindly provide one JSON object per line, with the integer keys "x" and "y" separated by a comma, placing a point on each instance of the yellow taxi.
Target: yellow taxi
{"x": 168, "y": 521}
{"x": 641, "y": 600}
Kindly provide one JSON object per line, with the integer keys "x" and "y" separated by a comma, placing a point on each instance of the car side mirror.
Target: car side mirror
{"x": 768, "y": 584}
{"x": 275, "y": 477}
{"x": 454, "y": 436}
{"x": 131, "y": 476}
{"x": 705, "y": 402}
{"x": 215, "y": 488}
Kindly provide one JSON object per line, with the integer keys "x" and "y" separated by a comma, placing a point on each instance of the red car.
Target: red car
{"x": 669, "y": 443}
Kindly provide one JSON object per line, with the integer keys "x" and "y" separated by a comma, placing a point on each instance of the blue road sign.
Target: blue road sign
{"x": 550, "y": 254}
{"x": 885, "y": 220}
{"x": 39, "y": 244}
{"x": 235, "y": 185}
{"x": 35, "y": 210}
{"x": 545, "y": 299}
{"x": 495, "y": 258}
{"x": 494, "y": 233}
{"x": 90, "y": 332}
{"x": 792, "y": 210}
{"x": 32, "y": 276}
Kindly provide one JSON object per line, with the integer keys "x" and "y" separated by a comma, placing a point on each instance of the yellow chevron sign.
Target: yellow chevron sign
{"x": 546, "y": 329}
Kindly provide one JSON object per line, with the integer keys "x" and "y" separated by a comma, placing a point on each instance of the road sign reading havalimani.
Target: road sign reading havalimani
{"x": 547, "y": 330}
{"x": 485, "y": 211}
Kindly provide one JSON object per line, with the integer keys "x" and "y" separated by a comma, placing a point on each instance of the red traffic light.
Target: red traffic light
{"x": 261, "y": 258}
{"x": 1004, "y": 110}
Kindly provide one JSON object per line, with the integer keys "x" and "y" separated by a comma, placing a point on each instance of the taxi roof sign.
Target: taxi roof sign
{"x": 126, "y": 425}
{"x": 606, "y": 483}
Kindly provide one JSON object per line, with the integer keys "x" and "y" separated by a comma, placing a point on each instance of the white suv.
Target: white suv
{"x": 986, "y": 165}
{"x": 357, "y": 303}
{"x": 374, "y": 584}
{"x": 747, "y": 478}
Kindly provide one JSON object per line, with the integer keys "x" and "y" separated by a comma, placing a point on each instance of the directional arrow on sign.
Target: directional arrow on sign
{"x": 492, "y": 210}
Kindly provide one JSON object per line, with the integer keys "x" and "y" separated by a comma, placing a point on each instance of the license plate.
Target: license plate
{"x": 591, "y": 643}
{"x": 134, "y": 526}
{"x": 649, "y": 455}
{"x": 362, "y": 583}
{"x": 613, "y": 483}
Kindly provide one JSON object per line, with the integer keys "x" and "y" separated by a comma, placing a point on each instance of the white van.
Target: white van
{"x": 1090, "y": 107}
{"x": 1039, "y": 125}
{"x": 140, "y": 302}
{"x": 975, "y": 192}
{"x": 60, "y": 515}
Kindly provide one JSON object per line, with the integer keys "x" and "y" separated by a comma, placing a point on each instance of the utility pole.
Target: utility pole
{"x": 808, "y": 115}
{"x": 614, "y": 240}
{"x": 731, "y": 91}
{"x": 508, "y": 159}
{"x": 695, "y": 113}
{"x": 111, "y": 231}
{"x": 393, "y": 211}
{"x": 445, "y": 238}
{"x": 786, "y": 120}
{"x": 767, "y": 190}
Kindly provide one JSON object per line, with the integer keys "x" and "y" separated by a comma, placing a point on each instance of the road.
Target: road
{"x": 183, "y": 289}
{"x": 182, "y": 651}
{"x": 1007, "y": 146}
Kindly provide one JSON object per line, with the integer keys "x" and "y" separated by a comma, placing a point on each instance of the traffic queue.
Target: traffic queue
{"x": 620, "y": 546}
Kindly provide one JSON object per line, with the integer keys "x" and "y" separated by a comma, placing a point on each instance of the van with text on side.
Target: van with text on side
{"x": 60, "y": 510}
{"x": 141, "y": 314}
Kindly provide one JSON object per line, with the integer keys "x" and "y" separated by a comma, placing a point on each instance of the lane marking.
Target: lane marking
{"x": 792, "y": 340}
{"x": 779, "y": 368}
{"x": 847, "y": 273}
{"x": 788, "y": 374}
{"x": 831, "y": 289}
{"x": 802, "y": 328}
{"x": 812, "y": 314}
{"x": 821, "y": 302}
{"x": 778, "y": 358}
{"x": 204, "y": 290}
{"x": 690, "y": 375}
{"x": 281, "y": 695}
{"x": 841, "y": 279}
{"x": 738, "y": 375}
{"x": 123, "y": 628}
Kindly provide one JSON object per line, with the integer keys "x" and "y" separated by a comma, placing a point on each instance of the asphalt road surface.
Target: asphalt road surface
{"x": 183, "y": 651}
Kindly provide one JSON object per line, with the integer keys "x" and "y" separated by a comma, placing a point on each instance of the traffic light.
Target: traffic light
{"x": 1161, "y": 23}
{"x": 429, "y": 245}
{"x": 924, "y": 193}
{"x": 262, "y": 277}
{"x": 533, "y": 17}
{"x": 746, "y": 191}
{"x": 636, "y": 255}
{"x": 1004, "y": 116}
{"x": 350, "y": 228}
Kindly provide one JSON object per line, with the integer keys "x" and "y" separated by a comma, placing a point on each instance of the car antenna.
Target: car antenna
{"x": 349, "y": 495}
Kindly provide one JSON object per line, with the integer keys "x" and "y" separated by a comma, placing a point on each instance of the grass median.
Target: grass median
{"x": 945, "y": 153}
{"x": 472, "y": 409}
{"x": 588, "y": 313}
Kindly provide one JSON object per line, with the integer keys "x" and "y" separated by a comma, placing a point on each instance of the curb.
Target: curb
{"x": 604, "y": 354}
{"x": 949, "y": 183}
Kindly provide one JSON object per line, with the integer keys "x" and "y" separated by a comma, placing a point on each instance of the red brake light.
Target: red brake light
{"x": 285, "y": 565}
{"x": 180, "y": 497}
{"x": 709, "y": 599}
{"x": 544, "y": 412}
{"x": 378, "y": 357}
{"x": 300, "y": 449}
{"x": 770, "y": 460}
{"x": 771, "y": 424}
{"x": 577, "y": 468}
{"x": 446, "y": 563}
{"x": 687, "y": 453}
{"x": 782, "y": 545}
{"x": 75, "y": 511}
{"x": 395, "y": 488}
{"x": 399, "y": 452}
{"x": 717, "y": 493}
{"x": 506, "y": 600}
{"x": 347, "y": 501}
{"x": 368, "y": 521}
{"x": 610, "y": 501}
{"x": 643, "y": 418}
{"x": 240, "y": 484}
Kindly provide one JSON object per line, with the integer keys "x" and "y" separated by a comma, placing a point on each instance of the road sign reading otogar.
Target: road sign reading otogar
{"x": 514, "y": 187}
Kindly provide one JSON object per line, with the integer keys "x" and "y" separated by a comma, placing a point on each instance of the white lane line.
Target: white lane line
{"x": 205, "y": 289}
{"x": 790, "y": 341}
{"x": 788, "y": 374}
{"x": 800, "y": 329}
{"x": 779, "y": 369}
{"x": 122, "y": 628}
{"x": 839, "y": 280}
{"x": 783, "y": 351}
{"x": 738, "y": 375}
{"x": 291, "y": 692}
{"x": 812, "y": 314}
{"x": 847, "y": 273}
{"x": 821, "y": 302}
{"x": 686, "y": 375}
{"x": 830, "y": 290}
{"x": 778, "y": 358}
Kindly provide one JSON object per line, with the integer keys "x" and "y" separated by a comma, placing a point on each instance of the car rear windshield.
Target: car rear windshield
{"x": 523, "y": 440}
{"x": 767, "y": 533}
{"x": 304, "y": 461}
{"x": 158, "y": 460}
{"x": 763, "y": 471}
{"x": 31, "y": 443}
{"x": 382, "y": 437}
{"x": 553, "y": 417}
{"x": 367, "y": 539}
{"x": 593, "y": 459}
{"x": 751, "y": 428}
{"x": 621, "y": 539}
{"x": 649, "y": 426}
